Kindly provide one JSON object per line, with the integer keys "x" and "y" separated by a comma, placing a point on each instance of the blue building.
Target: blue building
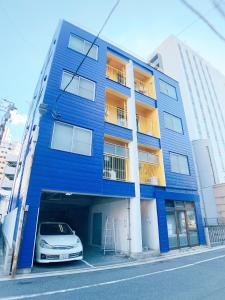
{"x": 114, "y": 144}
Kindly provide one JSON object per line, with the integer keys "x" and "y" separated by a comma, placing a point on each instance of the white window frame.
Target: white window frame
{"x": 179, "y": 171}
{"x": 72, "y": 137}
{"x": 166, "y": 114}
{"x": 79, "y": 77}
{"x": 84, "y": 42}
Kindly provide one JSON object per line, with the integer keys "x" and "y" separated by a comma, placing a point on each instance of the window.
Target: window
{"x": 80, "y": 45}
{"x": 116, "y": 150}
{"x": 115, "y": 162}
{"x": 181, "y": 224}
{"x": 55, "y": 229}
{"x": 179, "y": 163}
{"x": 167, "y": 89}
{"x": 78, "y": 86}
{"x": 71, "y": 138}
{"x": 173, "y": 123}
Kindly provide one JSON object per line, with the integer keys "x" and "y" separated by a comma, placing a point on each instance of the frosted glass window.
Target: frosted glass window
{"x": 82, "y": 141}
{"x": 167, "y": 89}
{"x": 93, "y": 53}
{"x": 86, "y": 88}
{"x": 109, "y": 148}
{"x": 116, "y": 149}
{"x": 173, "y": 123}
{"x": 62, "y": 137}
{"x": 76, "y": 43}
{"x": 183, "y": 164}
{"x": 81, "y": 45}
{"x": 71, "y": 86}
{"x": 71, "y": 138}
{"x": 179, "y": 163}
{"x": 174, "y": 163}
{"x": 78, "y": 86}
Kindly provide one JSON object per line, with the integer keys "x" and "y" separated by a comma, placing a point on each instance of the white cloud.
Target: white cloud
{"x": 17, "y": 118}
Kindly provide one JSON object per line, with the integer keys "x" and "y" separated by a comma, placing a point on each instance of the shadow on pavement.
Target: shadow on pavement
{"x": 93, "y": 257}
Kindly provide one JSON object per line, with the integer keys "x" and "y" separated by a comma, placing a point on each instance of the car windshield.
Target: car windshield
{"x": 55, "y": 229}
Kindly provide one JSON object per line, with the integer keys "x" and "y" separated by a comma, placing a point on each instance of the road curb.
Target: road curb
{"x": 161, "y": 258}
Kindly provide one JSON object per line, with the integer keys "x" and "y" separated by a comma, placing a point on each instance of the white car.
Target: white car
{"x": 57, "y": 242}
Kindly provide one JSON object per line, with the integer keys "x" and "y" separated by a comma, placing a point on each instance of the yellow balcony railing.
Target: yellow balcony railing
{"x": 144, "y": 88}
{"x": 116, "y": 115}
{"x": 116, "y": 74}
{"x": 116, "y": 162}
{"x": 147, "y": 126}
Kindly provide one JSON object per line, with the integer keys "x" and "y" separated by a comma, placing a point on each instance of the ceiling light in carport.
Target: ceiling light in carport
{"x": 68, "y": 194}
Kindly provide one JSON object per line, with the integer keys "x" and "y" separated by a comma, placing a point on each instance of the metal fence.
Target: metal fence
{"x": 216, "y": 234}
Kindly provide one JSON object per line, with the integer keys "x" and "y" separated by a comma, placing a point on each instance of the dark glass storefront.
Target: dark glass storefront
{"x": 181, "y": 224}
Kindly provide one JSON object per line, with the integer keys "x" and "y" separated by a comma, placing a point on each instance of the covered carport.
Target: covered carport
{"x": 87, "y": 216}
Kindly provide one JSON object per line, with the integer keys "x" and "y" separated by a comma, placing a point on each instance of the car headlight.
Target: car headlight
{"x": 78, "y": 241}
{"x": 44, "y": 244}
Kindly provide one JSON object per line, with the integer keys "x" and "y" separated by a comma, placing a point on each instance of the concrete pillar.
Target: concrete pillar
{"x": 8, "y": 254}
{"x": 135, "y": 207}
{"x": 207, "y": 239}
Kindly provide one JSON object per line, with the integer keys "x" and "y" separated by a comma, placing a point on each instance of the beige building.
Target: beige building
{"x": 219, "y": 192}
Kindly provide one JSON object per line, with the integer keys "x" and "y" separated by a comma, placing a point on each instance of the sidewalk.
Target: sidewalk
{"x": 135, "y": 262}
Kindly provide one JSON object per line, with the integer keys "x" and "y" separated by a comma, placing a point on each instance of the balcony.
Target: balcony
{"x": 147, "y": 120}
{"x": 116, "y": 108}
{"x": 116, "y": 115}
{"x": 11, "y": 159}
{"x": 144, "y": 83}
{"x": 116, "y": 69}
{"x": 151, "y": 170}
{"x": 116, "y": 75}
{"x": 10, "y": 172}
{"x": 115, "y": 162}
{"x": 7, "y": 184}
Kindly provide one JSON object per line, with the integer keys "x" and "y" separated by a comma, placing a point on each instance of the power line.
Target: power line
{"x": 219, "y": 8}
{"x": 194, "y": 21}
{"x": 94, "y": 41}
{"x": 196, "y": 12}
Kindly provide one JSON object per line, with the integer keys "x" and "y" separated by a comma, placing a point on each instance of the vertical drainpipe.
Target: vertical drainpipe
{"x": 24, "y": 208}
{"x": 135, "y": 205}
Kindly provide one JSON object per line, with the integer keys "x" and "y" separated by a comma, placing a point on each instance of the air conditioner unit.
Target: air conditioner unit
{"x": 110, "y": 174}
{"x": 149, "y": 132}
{"x": 153, "y": 180}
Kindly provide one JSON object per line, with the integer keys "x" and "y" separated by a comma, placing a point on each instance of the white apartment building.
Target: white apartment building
{"x": 203, "y": 93}
{"x": 9, "y": 152}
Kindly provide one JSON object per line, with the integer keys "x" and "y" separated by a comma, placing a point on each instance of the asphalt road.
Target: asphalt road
{"x": 200, "y": 276}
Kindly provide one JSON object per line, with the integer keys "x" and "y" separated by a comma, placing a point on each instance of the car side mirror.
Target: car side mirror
{"x": 74, "y": 232}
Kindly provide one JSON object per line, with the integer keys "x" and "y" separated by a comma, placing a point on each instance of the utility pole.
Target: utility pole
{"x": 7, "y": 107}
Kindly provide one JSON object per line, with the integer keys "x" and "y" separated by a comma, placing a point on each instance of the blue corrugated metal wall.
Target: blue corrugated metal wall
{"x": 63, "y": 171}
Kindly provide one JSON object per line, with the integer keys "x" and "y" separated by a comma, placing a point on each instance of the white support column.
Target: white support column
{"x": 135, "y": 207}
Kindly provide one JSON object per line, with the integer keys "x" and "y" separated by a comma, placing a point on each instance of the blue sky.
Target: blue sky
{"x": 27, "y": 27}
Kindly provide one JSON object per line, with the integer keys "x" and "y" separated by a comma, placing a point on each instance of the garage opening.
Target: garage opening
{"x": 66, "y": 208}
{"x": 87, "y": 215}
